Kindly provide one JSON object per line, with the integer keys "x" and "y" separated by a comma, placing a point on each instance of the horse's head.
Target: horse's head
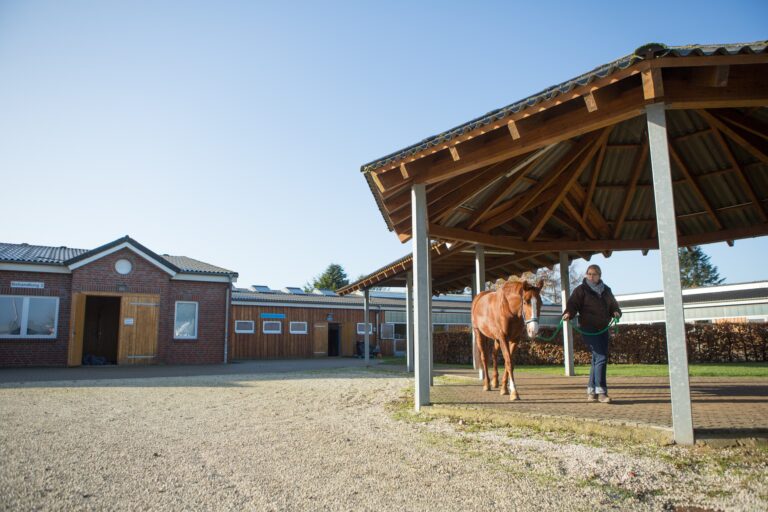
{"x": 531, "y": 307}
{"x": 524, "y": 300}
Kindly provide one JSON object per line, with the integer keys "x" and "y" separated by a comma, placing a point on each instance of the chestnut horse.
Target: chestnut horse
{"x": 503, "y": 315}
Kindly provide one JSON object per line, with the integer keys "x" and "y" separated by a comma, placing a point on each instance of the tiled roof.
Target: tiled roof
{"x": 25, "y": 253}
{"x": 652, "y": 50}
{"x": 355, "y": 301}
{"x": 40, "y": 254}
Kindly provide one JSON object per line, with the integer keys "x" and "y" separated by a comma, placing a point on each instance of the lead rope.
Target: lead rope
{"x": 614, "y": 322}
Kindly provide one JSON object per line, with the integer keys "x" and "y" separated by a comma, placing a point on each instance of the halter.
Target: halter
{"x": 534, "y": 318}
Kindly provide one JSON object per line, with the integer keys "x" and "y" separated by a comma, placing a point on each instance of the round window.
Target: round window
{"x": 123, "y": 266}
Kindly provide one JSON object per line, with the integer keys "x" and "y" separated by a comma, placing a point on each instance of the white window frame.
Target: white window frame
{"x": 361, "y": 329}
{"x": 301, "y": 330}
{"x": 279, "y": 329}
{"x": 383, "y": 330}
{"x": 246, "y": 330}
{"x": 175, "y": 318}
{"x": 25, "y": 319}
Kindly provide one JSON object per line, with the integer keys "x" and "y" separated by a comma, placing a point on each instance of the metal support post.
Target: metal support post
{"x": 565, "y": 292}
{"x": 420, "y": 242}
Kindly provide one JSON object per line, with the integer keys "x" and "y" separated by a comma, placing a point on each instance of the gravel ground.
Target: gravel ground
{"x": 329, "y": 440}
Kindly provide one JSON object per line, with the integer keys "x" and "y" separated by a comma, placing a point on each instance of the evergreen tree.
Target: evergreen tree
{"x": 695, "y": 268}
{"x": 333, "y": 278}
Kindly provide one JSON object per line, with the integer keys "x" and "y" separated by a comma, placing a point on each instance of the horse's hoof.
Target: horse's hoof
{"x": 486, "y": 387}
{"x": 514, "y": 396}
{"x": 503, "y": 391}
{"x": 495, "y": 383}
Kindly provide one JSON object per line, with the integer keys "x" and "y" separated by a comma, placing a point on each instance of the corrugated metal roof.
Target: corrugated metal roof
{"x": 712, "y": 295}
{"x": 352, "y": 300}
{"x": 563, "y": 88}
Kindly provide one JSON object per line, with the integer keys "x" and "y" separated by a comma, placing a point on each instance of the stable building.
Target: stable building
{"x": 120, "y": 303}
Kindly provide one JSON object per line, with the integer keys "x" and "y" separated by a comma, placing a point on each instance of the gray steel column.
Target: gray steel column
{"x": 479, "y": 286}
{"x": 565, "y": 292}
{"x": 409, "y": 322}
{"x": 420, "y": 242}
{"x": 431, "y": 323}
{"x": 682, "y": 422}
{"x": 366, "y": 311}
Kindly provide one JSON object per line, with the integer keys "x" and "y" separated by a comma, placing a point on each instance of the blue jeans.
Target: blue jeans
{"x": 599, "y": 345}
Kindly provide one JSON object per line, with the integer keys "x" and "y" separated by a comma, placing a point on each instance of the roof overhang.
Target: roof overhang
{"x": 568, "y": 169}
{"x": 118, "y": 245}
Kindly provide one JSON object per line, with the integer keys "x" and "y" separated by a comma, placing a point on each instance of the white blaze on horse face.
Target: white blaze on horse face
{"x": 533, "y": 326}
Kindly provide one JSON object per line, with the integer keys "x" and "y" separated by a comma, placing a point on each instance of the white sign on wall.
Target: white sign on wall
{"x": 128, "y": 321}
{"x": 27, "y": 284}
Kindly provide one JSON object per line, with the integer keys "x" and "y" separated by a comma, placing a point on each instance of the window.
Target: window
{"x": 361, "y": 328}
{"x": 28, "y": 317}
{"x": 298, "y": 328}
{"x": 272, "y": 327}
{"x": 185, "y": 323}
{"x": 387, "y": 331}
{"x": 245, "y": 326}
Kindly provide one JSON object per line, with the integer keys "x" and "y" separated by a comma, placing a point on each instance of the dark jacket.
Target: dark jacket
{"x": 595, "y": 311}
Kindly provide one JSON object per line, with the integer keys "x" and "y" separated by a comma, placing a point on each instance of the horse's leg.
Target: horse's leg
{"x": 513, "y": 395}
{"x": 507, "y": 371}
{"x": 483, "y": 361}
{"x": 495, "y": 357}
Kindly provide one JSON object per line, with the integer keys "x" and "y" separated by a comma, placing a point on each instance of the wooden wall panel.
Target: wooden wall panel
{"x": 138, "y": 341}
{"x": 283, "y": 346}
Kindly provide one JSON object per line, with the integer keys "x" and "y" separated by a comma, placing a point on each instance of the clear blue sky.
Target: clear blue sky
{"x": 233, "y": 132}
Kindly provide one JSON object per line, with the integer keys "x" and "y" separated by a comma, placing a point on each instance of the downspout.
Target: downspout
{"x": 226, "y": 318}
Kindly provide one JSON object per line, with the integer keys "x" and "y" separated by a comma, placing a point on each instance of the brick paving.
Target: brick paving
{"x": 736, "y": 407}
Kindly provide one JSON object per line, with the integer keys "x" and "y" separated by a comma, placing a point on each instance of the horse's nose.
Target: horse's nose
{"x": 533, "y": 329}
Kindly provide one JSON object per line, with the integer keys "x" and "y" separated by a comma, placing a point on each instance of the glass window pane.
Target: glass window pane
{"x": 186, "y": 320}
{"x": 42, "y": 316}
{"x": 10, "y": 315}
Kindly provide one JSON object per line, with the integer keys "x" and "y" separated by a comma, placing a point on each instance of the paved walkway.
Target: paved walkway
{"x": 731, "y": 407}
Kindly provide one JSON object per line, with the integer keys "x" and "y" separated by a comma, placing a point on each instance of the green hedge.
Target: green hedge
{"x": 634, "y": 344}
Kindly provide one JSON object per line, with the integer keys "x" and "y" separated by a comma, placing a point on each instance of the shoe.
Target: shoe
{"x": 603, "y": 398}
{"x": 591, "y": 397}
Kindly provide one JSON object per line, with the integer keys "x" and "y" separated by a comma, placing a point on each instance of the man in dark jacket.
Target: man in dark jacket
{"x": 595, "y": 304}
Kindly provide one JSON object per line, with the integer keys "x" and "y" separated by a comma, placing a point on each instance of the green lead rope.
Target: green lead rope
{"x": 614, "y": 322}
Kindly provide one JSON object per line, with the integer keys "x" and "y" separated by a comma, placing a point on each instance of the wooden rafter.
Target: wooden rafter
{"x": 594, "y": 217}
{"x": 732, "y": 134}
{"x": 694, "y": 186}
{"x": 593, "y": 179}
{"x": 637, "y": 170}
{"x": 746, "y": 123}
{"x": 735, "y": 164}
{"x": 570, "y": 209}
{"x": 569, "y": 179}
{"x": 516, "y": 244}
{"x": 523, "y": 204}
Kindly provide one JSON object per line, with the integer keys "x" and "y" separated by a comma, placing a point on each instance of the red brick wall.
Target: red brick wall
{"x": 145, "y": 278}
{"x": 38, "y": 352}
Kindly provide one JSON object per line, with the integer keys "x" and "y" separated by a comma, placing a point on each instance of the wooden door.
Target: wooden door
{"x": 348, "y": 338}
{"x": 321, "y": 339}
{"x": 139, "y": 320}
{"x": 76, "y": 328}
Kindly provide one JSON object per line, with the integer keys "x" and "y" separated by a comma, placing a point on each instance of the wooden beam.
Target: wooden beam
{"x": 569, "y": 178}
{"x": 637, "y": 170}
{"x": 589, "y": 100}
{"x": 513, "y": 130}
{"x": 524, "y": 203}
{"x": 741, "y": 92}
{"x": 571, "y": 210}
{"x": 454, "y": 153}
{"x": 734, "y": 135}
{"x": 712, "y": 76}
{"x": 696, "y": 190}
{"x": 539, "y": 133}
{"x": 593, "y": 180}
{"x": 653, "y": 84}
{"x": 517, "y": 245}
{"x": 739, "y": 172}
{"x": 593, "y": 215}
{"x": 742, "y": 121}
{"x": 404, "y": 171}
{"x": 377, "y": 181}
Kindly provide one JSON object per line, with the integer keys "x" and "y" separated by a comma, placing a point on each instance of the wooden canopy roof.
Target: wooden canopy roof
{"x": 568, "y": 169}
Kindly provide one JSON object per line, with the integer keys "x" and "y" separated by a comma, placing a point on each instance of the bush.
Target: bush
{"x": 634, "y": 344}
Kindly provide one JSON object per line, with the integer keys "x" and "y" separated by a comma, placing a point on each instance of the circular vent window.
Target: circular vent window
{"x": 123, "y": 267}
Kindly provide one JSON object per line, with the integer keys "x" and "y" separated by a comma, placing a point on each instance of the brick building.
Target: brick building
{"x": 119, "y": 303}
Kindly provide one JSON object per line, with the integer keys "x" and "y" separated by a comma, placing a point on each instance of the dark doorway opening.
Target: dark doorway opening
{"x": 334, "y": 339}
{"x": 100, "y": 332}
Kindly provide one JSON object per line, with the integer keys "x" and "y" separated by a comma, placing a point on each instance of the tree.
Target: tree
{"x": 695, "y": 268}
{"x": 333, "y": 278}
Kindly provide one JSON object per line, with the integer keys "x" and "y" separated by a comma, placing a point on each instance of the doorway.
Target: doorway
{"x": 334, "y": 340}
{"x": 101, "y": 330}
